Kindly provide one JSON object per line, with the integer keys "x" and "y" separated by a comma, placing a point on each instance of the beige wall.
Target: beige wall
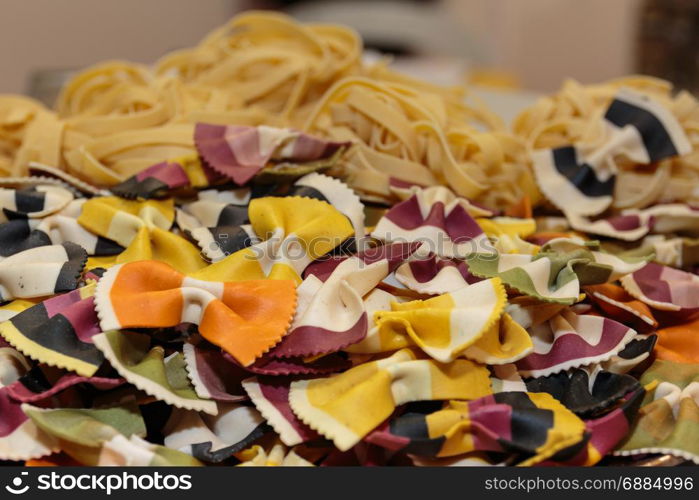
{"x": 544, "y": 41}
{"x": 541, "y": 41}
{"x": 74, "y": 33}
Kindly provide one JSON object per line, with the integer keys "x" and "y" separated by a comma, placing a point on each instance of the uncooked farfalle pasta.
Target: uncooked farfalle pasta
{"x": 273, "y": 253}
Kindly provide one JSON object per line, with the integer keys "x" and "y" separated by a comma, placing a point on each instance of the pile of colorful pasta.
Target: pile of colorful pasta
{"x": 263, "y": 252}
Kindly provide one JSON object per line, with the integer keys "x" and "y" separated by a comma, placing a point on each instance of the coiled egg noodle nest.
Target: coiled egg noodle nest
{"x": 117, "y": 118}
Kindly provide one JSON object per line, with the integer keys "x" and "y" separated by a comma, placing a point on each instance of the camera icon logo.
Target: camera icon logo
{"x": 16, "y": 487}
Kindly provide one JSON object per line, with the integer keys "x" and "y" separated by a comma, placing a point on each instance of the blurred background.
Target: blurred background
{"x": 526, "y": 47}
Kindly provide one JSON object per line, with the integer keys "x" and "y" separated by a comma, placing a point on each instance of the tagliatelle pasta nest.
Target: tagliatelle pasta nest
{"x": 409, "y": 136}
{"x": 116, "y": 118}
{"x": 261, "y": 251}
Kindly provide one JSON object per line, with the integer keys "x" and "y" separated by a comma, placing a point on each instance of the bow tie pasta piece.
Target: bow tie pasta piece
{"x": 434, "y": 275}
{"x": 507, "y": 234}
{"x": 33, "y": 202}
{"x": 603, "y": 434}
{"x": 315, "y": 226}
{"x": 13, "y": 364}
{"x": 137, "y": 452}
{"x": 109, "y": 436}
{"x": 439, "y": 194}
{"x": 270, "y": 395}
{"x": 633, "y": 224}
{"x": 587, "y": 391}
{"x": 121, "y": 220}
{"x": 504, "y": 342}
{"x": 394, "y": 255}
{"x": 506, "y": 378}
{"x": 672, "y": 218}
{"x": 224, "y": 208}
{"x": 617, "y": 304}
{"x": 592, "y": 265}
{"x": 84, "y": 430}
{"x": 570, "y": 340}
{"x": 336, "y": 193}
{"x": 22, "y": 234}
{"x": 379, "y": 340}
{"x": 41, "y": 271}
{"x": 244, "y": 318}
{"x": 146, "y": 367}
{"x": 534, "y": 424}
{"x": 216, "y": 243}
{"x": 213, "y": 376}
{"x": 240, "y": 152}
{"x": 286, "y": 170}
{"x": 20, "y": 438}
{"x": 677, "y": 252}
{"x": 627, "y": 227}
{"x": 437, "y": 218}
{"x": 679, "y": 343}
{"x": 529, "y": 312}
{"x": 633, "y": 354}
{"x": 293, "y": 232}
{"x": 163, "y": 178}
{"x": 346, "y": 407}
{"x": 665, "y": 289}
{"x": 268, "y": 364}
{"x": 13, "y": 308}
{"x": 19, "y": 235}
{"x": 669, "y": 418}
{"x": 446, "y": 325}
{"x": 40, "y": 384}
{"x": 547, "y": 278}
{"x": 331, "y": 314}
{"x": 143, "y": 228}
{"x": 580, "y": 178}
{"x": 43, "y": 174}
{"x": 59, "y": 331}
{"x": 556, "y": 273}
{"x": 277, "y": 456}
{"x": 34, "y": 182}
{"x": 220, "y": 219}
{"x": 214, "y": 438}
{"x": 60, "y": 228}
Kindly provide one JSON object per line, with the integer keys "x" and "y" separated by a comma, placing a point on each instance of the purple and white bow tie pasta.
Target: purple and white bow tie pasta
{"x": 220, "y": 224}
{"x": 664, "y": 288}
{"x": 569, "y": 340}
{"x": 441, "y": 221}
{"x": 633, "y": 224}
{"x": 239, "y": 152}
